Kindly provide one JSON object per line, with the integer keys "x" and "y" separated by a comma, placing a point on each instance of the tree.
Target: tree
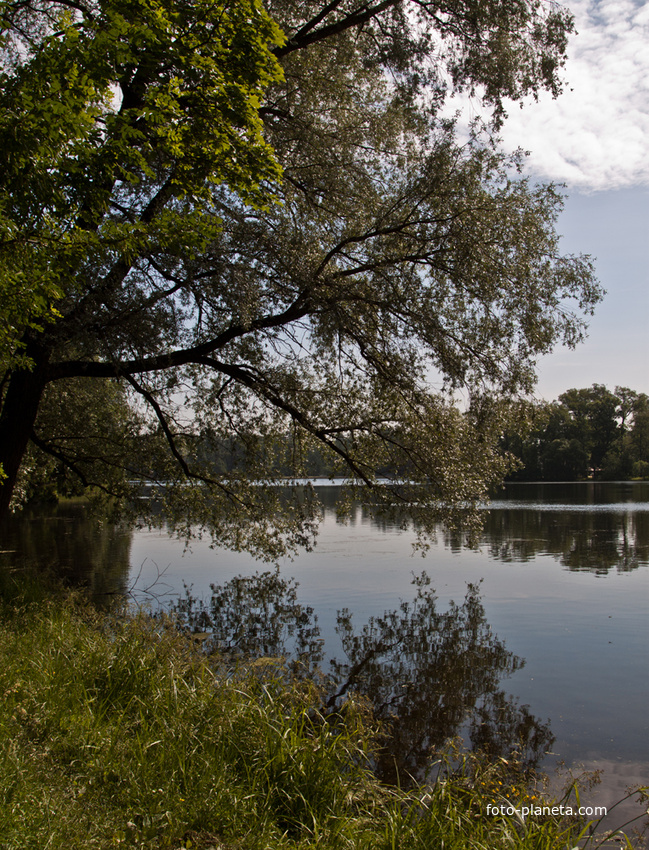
{"x": 544, "y": 446}
{"x": 232, "y": 305}
{"x": 161, "y": 98}
{"x": 640, "y": 433}
{"x": 547, "y": 447}
{"x": 117, "y": 119}
{"x": 627, "y": 401}
{"x": 588, "y": 430}
{"x": 628, "y": 457}
{"x": 594, "y": 412}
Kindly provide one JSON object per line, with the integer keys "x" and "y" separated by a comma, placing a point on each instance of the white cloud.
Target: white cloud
{"x": 596, "y": 134}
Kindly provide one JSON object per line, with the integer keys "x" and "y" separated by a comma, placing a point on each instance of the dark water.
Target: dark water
{"x": 554, "y": 647}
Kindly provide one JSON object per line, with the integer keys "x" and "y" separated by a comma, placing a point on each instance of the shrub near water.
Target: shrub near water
{"x": 115, "y": 731}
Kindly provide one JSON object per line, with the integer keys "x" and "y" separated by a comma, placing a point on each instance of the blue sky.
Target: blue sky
{"x": 613, "y": 226}
{"x": 595, "y": 139}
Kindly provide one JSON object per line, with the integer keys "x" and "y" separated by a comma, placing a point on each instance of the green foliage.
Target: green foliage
{"x": 118, "y": 94}
{"x": 118, "y": 733}
{"x": 263, "y": 256}
{"x": 593, "y": 413}
{"x": 72, "y": 466}
{"x": 640, "y": 469}
{"x": 591, "y": 431}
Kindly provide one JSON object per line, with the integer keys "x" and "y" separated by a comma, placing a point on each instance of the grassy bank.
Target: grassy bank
{"x": 117, "y": 732}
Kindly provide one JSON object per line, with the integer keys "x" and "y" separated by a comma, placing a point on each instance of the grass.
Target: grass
{"x": 117, "y": 732}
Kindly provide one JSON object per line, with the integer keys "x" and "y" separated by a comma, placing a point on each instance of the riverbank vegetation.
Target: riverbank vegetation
{"x": 588, "y": 432}
{"x": 120, "y": 731}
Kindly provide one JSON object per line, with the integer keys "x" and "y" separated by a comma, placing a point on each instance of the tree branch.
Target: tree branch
{"x": 265, "y": 390}
{"x": 355, "y": 19}
{"x": 180, "y": 357}
{"x": 175, "y": 451}
{"x": 50, "y": 450}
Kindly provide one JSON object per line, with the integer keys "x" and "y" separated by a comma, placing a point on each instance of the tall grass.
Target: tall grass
{"x": 117, "y": 731}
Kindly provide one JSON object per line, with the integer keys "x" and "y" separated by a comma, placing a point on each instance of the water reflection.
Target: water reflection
{"x": 64, "y": 541}
{"x": 430, "y": 675}
{"x": 254, "y": 616}
{"x": 575, "y": 631}
{"x": 592, "y": 526}
{"x": 597, "y": 542}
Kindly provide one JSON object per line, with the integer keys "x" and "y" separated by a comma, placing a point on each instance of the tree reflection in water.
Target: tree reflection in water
{"x": 70, "y": 544}
{"x": 430, "y": 675}
{"x": 583, "y": 532}
{"x": 581, "y": 540}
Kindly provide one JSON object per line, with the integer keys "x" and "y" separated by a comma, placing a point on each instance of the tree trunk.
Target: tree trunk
{"x": 19, "y": 410}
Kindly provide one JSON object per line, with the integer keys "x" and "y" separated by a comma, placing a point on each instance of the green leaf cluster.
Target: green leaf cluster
{"x": 101, "y": 96}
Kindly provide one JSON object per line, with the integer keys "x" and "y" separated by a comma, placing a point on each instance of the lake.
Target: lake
{"x": 553, "y": 646}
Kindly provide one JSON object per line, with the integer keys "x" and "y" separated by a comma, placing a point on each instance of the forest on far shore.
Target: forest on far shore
{"x": 590, "y": 432}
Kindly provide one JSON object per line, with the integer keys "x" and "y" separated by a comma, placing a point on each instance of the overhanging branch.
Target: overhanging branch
{"x": 268, "y": 392}
{"x": 175, "y": 451}
{"x": 181, "y": 357}
{"x": 307, "y": 35}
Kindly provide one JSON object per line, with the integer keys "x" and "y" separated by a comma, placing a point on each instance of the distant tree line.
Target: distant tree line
{"x": 590, "y": 432}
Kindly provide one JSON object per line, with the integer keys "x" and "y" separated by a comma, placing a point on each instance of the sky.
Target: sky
{"x": 595, "y": 139}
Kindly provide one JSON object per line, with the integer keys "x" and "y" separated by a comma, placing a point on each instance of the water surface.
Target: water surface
{"x": 563, "y": 583}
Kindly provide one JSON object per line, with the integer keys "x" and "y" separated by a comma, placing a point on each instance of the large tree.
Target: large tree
{"x": 329, "y": 282}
